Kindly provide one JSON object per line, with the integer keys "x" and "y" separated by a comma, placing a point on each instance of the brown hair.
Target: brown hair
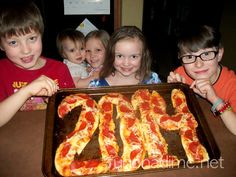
{"x": 126, "y": 32}
{"x": 71, "y": 34}
{"x": 194, "y": 38}
{"x": 20, "y": 18}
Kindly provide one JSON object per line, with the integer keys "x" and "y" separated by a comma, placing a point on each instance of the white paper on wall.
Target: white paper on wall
{"x": 86, "y": 26}
{"x": 86, "y": 7}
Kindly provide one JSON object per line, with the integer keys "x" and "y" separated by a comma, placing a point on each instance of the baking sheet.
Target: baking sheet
{"x": 56, "y": 129}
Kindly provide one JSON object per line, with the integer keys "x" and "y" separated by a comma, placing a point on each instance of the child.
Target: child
{"x": 200, "y": 52}
{"x": 128, "y": 60}
{"x": 71, "y": 46}
{"x": 42, "y": 86}
{"x": 21, "y": 39}
{"x": 96, "y": 43}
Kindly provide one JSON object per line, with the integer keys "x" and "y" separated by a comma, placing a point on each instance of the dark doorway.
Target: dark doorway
{"x": 162, "y": 21}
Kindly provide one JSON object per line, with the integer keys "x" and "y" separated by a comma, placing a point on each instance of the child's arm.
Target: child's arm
{"x": 175, "y": 77}
{"x": 204, "y": 88}
{"x": 42, "y": 86}
{"x": 84, "y": 83}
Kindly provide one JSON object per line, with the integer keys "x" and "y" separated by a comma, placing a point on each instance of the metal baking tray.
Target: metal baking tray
{"x": 56, "y": 129}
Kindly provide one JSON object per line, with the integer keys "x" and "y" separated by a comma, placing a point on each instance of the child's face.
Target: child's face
{"x": 24, "y": 50}
{"x": 128, "y": 55}
{"x": 73, "y": 51}
{"x": 204, "y": 69}
{"x": 95, "y": 52}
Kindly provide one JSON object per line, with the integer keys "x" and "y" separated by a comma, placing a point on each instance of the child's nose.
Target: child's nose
{"x": 25, "y": 48}
{"x": 126, "y": 61}
{"x": 199, "y": 61}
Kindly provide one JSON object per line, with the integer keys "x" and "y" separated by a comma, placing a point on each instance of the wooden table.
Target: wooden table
{"x": 21, "y": 148}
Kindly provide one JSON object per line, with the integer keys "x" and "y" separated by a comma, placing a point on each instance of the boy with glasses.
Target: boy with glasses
{"x": 200, "y": 51}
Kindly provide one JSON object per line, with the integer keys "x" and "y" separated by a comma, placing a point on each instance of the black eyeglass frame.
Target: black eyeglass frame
{"x": 200, "y": 56}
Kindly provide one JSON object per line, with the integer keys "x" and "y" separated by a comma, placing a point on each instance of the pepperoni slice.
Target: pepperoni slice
{"x": 157, "y": 110}
{"x": 193, "y": 146}
{"x": 62, "y": 111}
{"x": 106, "y": 132}
{"x": 92, "y": 163}
{"x": 178, "y": 101}
{"x": 111, "y": 150}
{"x": 77, "y": 164}
{"x": 90, "y": 116}
{"x": 153, "y": 127}
{"x": 82, "y": 125}
{"x": 107, "y": 106}
{"x": 134, "y": 153}
{"x": 71, "y": 100}
{"x": 125, "y": 109}
{"x": 65, "y": 149}
{"x": 145, "y": 106}
{"x": 115, "y": 163}
{"x": 144, "y": 94}
{"x": 90, "y": 103}
{"x": 176, "y": 117}
{"x": 164, "y": 118}
{"x": 133, "y": 138}
{"x": 108, "y": 117}
{"x": 188, "y": 134}
{"x": 130, "y": 122}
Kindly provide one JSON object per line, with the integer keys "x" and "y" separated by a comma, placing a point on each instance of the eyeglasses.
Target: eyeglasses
{"x": 205, "y": 56}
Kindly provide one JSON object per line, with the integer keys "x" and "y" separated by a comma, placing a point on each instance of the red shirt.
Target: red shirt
{"x": 13, "y": 78}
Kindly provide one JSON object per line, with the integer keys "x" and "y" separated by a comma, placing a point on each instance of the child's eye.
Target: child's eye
{"x": 134, "y": 57}
{"x": 33, "y": 38}
{"x": 205, "y": 53}
{"x": 189, "y": 57}
{"x": 12, "y": 43}
{"x": 98, "y": 50}
{"x": 118, "y": 56}
{"x": 72, "y": 50}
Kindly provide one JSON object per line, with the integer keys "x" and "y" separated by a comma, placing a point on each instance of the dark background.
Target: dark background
{"x": 55, "y": 21}
{"x": 169, "y": 16}
{"x": 162, "y": 21}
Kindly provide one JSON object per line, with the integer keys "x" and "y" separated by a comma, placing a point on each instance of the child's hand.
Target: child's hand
{"x": 175, "y": 77}
{"x": 205, "y": 89}
{"x": 42, "y": 86}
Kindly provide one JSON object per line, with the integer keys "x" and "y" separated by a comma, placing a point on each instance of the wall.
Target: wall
{"x": 228, "y": 30}
{"x": 132, "y": 12}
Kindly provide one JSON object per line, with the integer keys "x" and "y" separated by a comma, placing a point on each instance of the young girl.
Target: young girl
{"x": 95, "y": 44}
{"x": 71, "y": 46}
{"x": 21, "y": 39}
{"x": 200, "y": 52}
{"x": 128, "y": 60}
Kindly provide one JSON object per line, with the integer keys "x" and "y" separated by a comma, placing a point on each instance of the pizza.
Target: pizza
{"x": 195, "y": 151}
{"x": 88, "y": 121}
{"x": 164, "y": 120}
{"x": 130, "y": 133}
{"x": 141, "y": 119}
{"x": 155, "y": 144}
